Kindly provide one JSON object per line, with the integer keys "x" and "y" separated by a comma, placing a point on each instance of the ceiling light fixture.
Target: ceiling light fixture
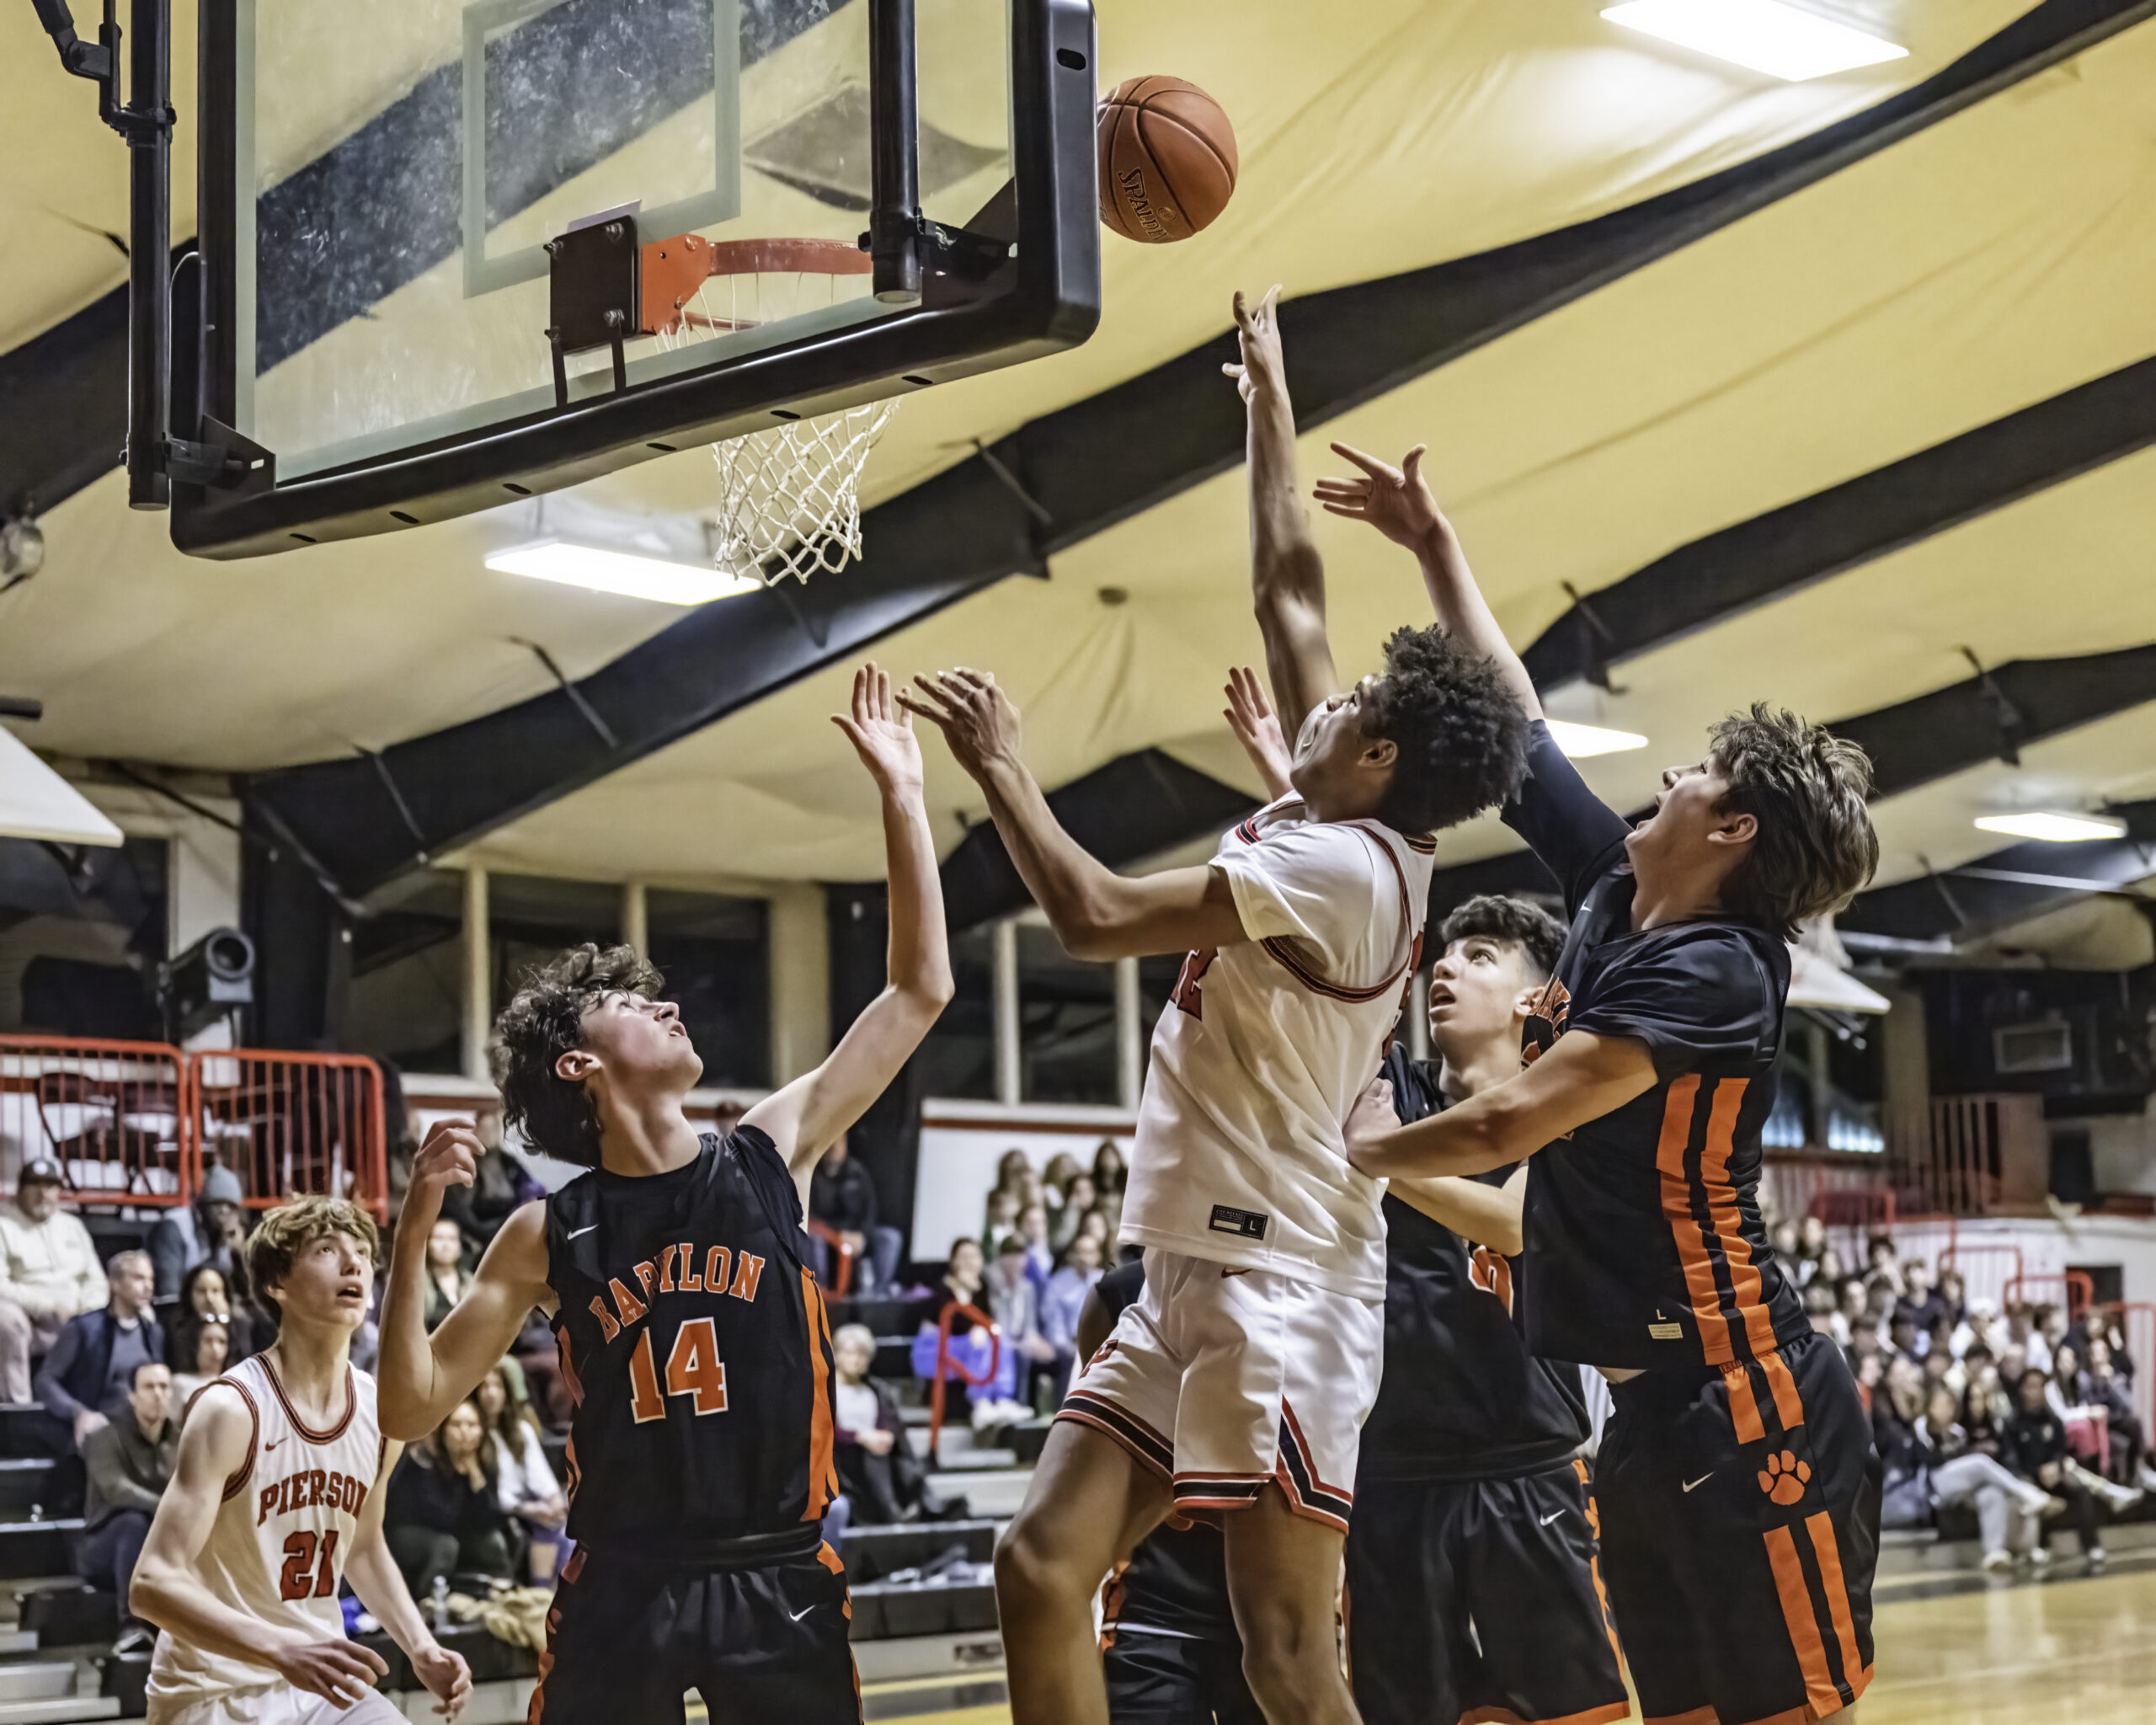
{"x": 2054, "y": 829}
{"x": 1762, "y": 36}
{"x": 1579, "y": 741}
{"x": 619, "y": 572}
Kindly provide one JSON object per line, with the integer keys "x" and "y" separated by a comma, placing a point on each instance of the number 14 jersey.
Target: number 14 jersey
{"x": 696, "y": 1348}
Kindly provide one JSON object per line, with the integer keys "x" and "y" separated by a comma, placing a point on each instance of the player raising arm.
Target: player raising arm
{"x": 1257, "y": 1342}
{"x": 1738, "y": 1487}
{"x": 694, "y": 1341}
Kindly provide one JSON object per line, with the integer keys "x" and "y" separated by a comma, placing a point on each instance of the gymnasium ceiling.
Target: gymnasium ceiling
{"x": 1823, "y": 393}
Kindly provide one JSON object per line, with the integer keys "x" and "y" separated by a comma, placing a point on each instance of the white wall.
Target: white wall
{"x": 961, "y": 1142}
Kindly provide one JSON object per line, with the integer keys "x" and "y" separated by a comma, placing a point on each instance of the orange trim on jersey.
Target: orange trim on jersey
{"x": 1594, "y": 1562}
{"x": 1802, "y": 1622}
{"x": 299, "y": 1425}
{"x": 1505, "y": 1716}
{"x": 236, "y": 1482}
{"x": 1677, "y": 1210}
{"x": 1744, "y": 1404}
{"x": 1789, "y": 1406}
{"x": 1278, "y": 946}
{"x": 1821, "y": 1527}
{"x": 569, "y": 1367}
{"x": 1721, "y": 1206}
{"x": 822, "y": 1464}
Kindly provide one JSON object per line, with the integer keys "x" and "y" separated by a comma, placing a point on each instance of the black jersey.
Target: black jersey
{"x": 1176, "y": 1579}
{"x": 1461, "y": 1398}
{"x": 696, "y": 1350}
{"x": 1644, "y": 1246}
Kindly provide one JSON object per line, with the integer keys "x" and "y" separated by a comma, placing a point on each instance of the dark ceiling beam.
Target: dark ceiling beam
{"x": 1136, "y": 806}
{"x": 1990, "y": 716}
{"x": 1996, "y": 891}
{"x": 1772, "y": 556}
{"x": 1081, "y": 469}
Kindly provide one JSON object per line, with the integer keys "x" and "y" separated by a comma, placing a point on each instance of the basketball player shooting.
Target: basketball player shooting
{"x": 1240, "y": 1380}
{"x": 1738, "y": 1487}
{"x": 693, "y": 1337}
{"x": 276, "y": 1497}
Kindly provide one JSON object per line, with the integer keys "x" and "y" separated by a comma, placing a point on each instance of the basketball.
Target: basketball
{"x": 1167, "y": 156}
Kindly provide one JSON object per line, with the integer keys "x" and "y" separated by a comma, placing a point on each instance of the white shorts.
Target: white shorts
{"x": 1224, "y": 1381}
{"x": 278, "y": 1705}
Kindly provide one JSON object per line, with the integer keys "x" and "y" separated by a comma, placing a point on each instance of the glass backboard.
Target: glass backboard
{"x": 390, "y": 191}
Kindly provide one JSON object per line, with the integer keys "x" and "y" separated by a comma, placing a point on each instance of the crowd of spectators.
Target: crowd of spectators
{"x": 2024, "y": 1416}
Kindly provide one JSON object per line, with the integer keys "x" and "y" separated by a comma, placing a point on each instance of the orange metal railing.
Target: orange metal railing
{"x": 113, "y": 1114}
{"x": 947, "y": 1368}
{"x": 2075, "y": 1289}
{"x": 137, "y": 1123}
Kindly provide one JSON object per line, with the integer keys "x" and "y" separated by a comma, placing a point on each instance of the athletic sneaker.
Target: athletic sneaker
{"x": 1998, "y": 1560}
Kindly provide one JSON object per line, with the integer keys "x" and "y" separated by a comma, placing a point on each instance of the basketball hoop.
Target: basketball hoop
{"x": 790, "y": 501}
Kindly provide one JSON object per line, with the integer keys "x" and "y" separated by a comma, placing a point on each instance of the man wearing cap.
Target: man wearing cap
{"x": 89, "y": 1377}
{"x": 49, "y": 1272}
{"x": 210, "y": 1232}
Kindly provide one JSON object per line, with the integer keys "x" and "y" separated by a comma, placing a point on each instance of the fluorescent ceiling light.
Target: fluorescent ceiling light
{"x": 2058, "y": 828}
{"x": 1581, "y": 740}
{"x": 619, "y": 572}
{"x": 1765, "y": 35}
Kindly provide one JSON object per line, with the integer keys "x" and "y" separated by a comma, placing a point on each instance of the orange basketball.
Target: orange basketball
{"x": 1167, "y": 157}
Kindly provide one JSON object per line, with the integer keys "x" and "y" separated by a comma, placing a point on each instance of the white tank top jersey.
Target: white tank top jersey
{"x": 1263, "y": 1048}
{"x": 276, "y": 1551}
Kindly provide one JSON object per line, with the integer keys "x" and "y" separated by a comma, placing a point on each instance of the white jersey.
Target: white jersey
{"x": 276, "y": 1551}
{"x": 1264, "y": 1047}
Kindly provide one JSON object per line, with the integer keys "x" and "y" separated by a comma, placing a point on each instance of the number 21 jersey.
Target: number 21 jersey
{"x": 696, "y": 1348}
{"x": 276, "y": 1551}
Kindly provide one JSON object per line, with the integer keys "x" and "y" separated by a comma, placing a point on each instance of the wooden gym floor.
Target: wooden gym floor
{"x": 1953, "y": 1650}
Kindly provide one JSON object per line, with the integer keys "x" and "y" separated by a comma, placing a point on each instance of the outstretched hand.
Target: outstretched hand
{"x": 1250, "y": 717}
{"x": 881, "y": 731}
{"x": 1258, "y": 334}
{"x": 976, "y": 717}
{"x": 1395, "y": 501}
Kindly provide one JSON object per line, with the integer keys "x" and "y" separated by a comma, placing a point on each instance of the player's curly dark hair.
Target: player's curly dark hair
{"x": 1496, "y": 917}
{"x": 1461, "y": 735}
{"x": 544, "y": 1021}
{"x": 1807, "y": 787}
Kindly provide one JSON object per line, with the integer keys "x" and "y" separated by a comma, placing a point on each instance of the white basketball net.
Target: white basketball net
{"x": 789, "y": 496}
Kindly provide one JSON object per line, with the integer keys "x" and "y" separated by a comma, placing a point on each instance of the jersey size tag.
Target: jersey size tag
{"x": 1244, "y": 1224}
{"x": 1665, "y": 1330}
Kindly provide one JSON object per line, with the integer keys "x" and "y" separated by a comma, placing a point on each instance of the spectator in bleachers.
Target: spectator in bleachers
{"x": 2033, "y": 1444}
{"x": 1979, "y": 1327}
{"x": 1001, "y": 1222}
{"x": 1953, "y": 1295}
{"x": 49, "y": 1274}
{"x": 1784, "y": 1239}
{"x": 211, "y": 1231}
{"x": 1062, "y": 1169}
{"x": 2053, "y": 1325}
{"x": 1095, "y": 1227}
{"x": 87, "y": 1379}
{"x": 1851, "y": 1302}
{"x": 1951, "y": 1471}
{"x": 199, "y": 1350}
{"x": 206, "y": 1291}
{"x": 842, "y": 1197}
{"x": 960, "y": 1284}
{"x": 1882, "y": 1268}
{"x": 1896, "y": 1407}
{"x": 129, "y": 1463}
{"x": 1014, "y": 1302}
{"x": 444, "y": 1513}
{"x": 1032, "y": 1238}
{"x": 2111, "y": 1392}
{"x": 1108, "y": 1170}
{"x": 884, "y": 1480}
{"x": 1812, "y": 1249}
{"x": 2023, "y": 1332}
{"x": 1078, "y": 1197}
{"x": 1903, "y": 1339}
{"x": 1065, "y": 1299}
{"x": 500, "y": 1183}
{"x": 446, "y": 1275}
{"x": 524, "y": 1480}
{"x": 1919, "y": 1302}
{"x": 1869, "y": 1365}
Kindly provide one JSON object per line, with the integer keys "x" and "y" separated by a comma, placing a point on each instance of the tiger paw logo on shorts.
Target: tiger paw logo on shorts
{"x": 1784, "y": 1478}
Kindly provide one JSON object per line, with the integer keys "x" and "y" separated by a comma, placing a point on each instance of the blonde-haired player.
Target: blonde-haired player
{"x": 277, "y": 1497}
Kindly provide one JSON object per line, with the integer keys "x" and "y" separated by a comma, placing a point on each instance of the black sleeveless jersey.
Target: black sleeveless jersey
{"x": 1461, "y": 1398}
{"x": 696, "y": 1350}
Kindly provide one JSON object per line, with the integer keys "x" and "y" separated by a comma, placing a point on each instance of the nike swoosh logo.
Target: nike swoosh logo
{"x": 1551, "y": 1517}
{"x": 272, "y": 1444}
{"x": 798, "y": 1615}
{"x": 579, "y": 1233}
{"x": 1701, "y": 1481}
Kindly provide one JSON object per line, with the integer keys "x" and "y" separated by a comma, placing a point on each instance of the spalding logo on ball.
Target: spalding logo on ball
{"x": 1167, "y": 157}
